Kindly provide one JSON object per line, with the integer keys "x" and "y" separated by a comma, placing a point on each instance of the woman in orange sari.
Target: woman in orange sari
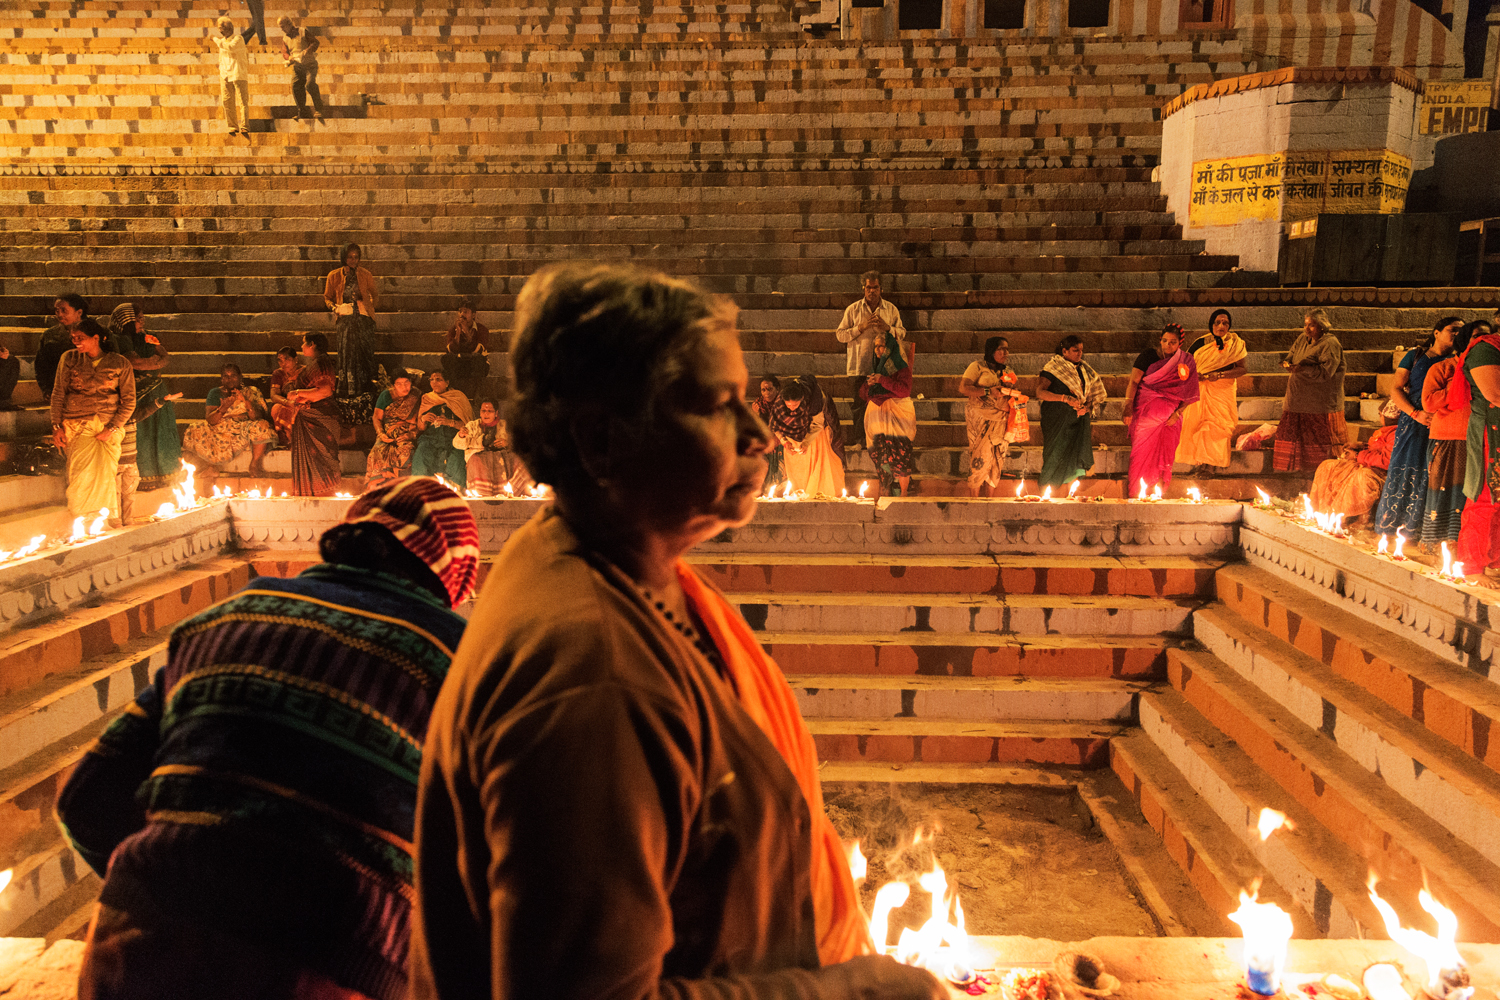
{"x": 615, "y": 772}
{"x": 1208, "y": 424}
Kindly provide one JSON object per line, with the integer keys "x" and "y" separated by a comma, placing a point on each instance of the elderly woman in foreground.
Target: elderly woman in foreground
{"x": 618, "y": 796}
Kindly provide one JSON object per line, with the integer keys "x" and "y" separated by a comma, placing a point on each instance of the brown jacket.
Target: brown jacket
{"x": 597, "y": 816}
{"x": 84, "y": 389}
{"x": 333, "y": 290}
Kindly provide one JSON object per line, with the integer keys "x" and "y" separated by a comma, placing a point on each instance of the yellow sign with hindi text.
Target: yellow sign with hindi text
{"x": 1293, "y": 186}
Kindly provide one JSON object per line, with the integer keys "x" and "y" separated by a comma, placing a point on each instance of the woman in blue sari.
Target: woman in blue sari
{"x": 1403, "y": 501}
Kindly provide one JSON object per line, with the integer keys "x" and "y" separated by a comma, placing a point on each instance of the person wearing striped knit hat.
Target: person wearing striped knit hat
{"x": 252, "y": 811}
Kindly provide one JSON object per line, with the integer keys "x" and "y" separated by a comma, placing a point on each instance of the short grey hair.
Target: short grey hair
{"x": 1320, "y": 319}
{"x": 616, "y": 336}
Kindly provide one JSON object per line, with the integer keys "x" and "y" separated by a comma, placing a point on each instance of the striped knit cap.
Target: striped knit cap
{"x": 433, "y": 522}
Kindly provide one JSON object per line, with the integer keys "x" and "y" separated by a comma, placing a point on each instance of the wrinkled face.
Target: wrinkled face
{"x": 66, "y": 314}
{"x": 1002, "y": 353}
{"x": 1445, "y": 337}
{"x": 704, "y": 465}
{"x": 872, "y": 293}
{"x": 439, "y": 383}
{"x": 767, "y": 391}
{"x": 1312, "y": 329}
{"x": 881, "y": 350}
{"x": 487, "y": 413}
{"x": 1074, "y": 353}
{"x": 1221, "y": 326}
{"x": 401, "y": 387}
{"x": 1170, "y": 341}
{"x": 229, "y": 379}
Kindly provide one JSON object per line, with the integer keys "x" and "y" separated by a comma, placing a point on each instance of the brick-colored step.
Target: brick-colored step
{"x": 953, "y": 741}
{"x": 967, "y": 654}
{"x": 1398, "y": 843}
{"x": 967, "y": 698}
{"x": 979, "y": 614}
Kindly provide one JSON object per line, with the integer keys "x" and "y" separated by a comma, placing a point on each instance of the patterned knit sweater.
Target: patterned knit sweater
{"x": 266, "y": 782}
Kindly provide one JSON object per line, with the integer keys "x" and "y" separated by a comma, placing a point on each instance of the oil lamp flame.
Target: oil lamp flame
{"x": 344, "y": 496}
{"x": 858, "y": 866}
{"x": 1074, "y": 488}
{"x": 1047, "y": 493}
{"x": 100, "y": 523}
{"x": 1143, "y": 490}
{"x": 1400, "y": 544}
{"x": 29, "y": 548}
{"x": 1020, "y": 487}
{"x": 1156, "y": 493}
{"x": 1447, "y": 560}
{"x": 1265, "y": 498}
{"x": 1447, "y": 975}
{"x": 1270, "y": 822}
{"x": 1196, "y": 494}
{"x": 166, "y": 510}
{"x": 1383, "y": 546}
{"x": 844, "y": 493}
{"x": 510, "y": 490}
{"x": 786, "y": 494}
{"x": 890, "y": 896}
{"x": 1266, "y": 928}
{"x": 79, "y": 532}
{"x": 862, "y": 487}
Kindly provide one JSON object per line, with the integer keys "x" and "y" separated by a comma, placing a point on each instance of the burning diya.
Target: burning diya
{"x": 1447, "y": 973}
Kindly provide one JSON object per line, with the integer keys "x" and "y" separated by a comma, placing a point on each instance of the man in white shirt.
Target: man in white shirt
{"x": 234, "y": 77}
{"x": 865, "y": 323}
{"x": 299, "y": 48}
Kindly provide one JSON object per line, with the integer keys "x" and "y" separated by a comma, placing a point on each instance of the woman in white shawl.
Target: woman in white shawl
{"x": 1071, "y": 393}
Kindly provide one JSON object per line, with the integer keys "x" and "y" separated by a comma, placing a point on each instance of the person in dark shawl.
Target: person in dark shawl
{"x": 440, "y": 416}
{"x": 158, "y": 442}
{"x": 311, "y": 419}
{"x": 890, "y": 417}
{"x": 1163, "y": 382}
{"x": 763, "y": 404}
{"x": 252, "y": 811}
{"x": 1071, "y": 393}
{"x": 1312, "y": 427}
{"x": 349, "y": 292}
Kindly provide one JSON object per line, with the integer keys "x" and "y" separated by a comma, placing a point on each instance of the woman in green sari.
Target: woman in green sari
{"x": 157, "y": 439}
{"x": 1071, "y": 393}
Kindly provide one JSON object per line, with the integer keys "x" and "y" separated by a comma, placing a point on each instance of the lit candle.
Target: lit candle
{"x": 1073, "y": 489}
{"x": 1267, "y": 928}
{"x": 1143, "y": 490}
{"x": 1382, "y": 546}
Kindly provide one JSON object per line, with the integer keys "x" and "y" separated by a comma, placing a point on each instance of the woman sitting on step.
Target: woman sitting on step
{"x": 995, "y": 411}
{"x": 1403, "y": 501}
{"x": 890, "y": 417}
{"x": 1351, "y": 484}
{"x": 1163, "y": 381}
{"x": 395, "y": 423}
{"x": 1208, "y": 425}
{"x": 1071, "y": 393}
{"x": 489, "y": 463}
{"x": 441, "y": 415}
{"x": 311, "y": 418}
{"x": 236, "y": 423}
{"x": 1447, "y": 444}
{"x": 802, "y": 421}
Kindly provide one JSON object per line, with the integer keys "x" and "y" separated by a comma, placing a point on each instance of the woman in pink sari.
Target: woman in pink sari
{"x": 1162, "y": 383}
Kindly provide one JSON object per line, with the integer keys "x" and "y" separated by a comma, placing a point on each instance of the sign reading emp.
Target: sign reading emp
{"x": 1453, "y": 106}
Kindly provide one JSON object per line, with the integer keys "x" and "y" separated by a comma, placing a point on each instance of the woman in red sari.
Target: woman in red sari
{"x": 311, "y": 420}
{"x": 1159, "y": 391}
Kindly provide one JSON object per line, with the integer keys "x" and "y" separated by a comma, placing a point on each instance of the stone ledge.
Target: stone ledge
{"x": 1448, "y": 619}
{"x": 1294, "y": 74}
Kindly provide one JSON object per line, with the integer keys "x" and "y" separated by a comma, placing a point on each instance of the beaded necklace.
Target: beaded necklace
{"x": 700, "y": 641}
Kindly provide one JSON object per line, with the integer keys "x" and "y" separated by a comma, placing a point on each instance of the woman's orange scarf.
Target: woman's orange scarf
{"x": 842, "y": 930}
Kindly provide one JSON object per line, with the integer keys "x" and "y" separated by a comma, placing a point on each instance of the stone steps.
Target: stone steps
{"x": 785, "y": 612}
{"x": 968, "y": 698}
{"x": 1344, "y": 819}
{"x": 902, "y": 741}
